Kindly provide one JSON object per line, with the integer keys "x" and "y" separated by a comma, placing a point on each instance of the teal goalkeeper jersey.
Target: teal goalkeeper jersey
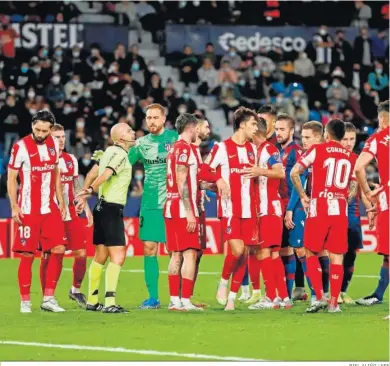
{"x": 152, "y": 151}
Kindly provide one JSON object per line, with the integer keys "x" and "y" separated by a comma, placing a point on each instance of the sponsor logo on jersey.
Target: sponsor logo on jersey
{"x": 183, "y": 157}
{"x": 156, "y": 161}
{"x": 66, "y": 178}
{"x": 45, "y": 168}
{"x": 236, "y": 170}
{"x": 251, "y": 155}
{"x": 228, "y": 230}
{"x": 167, "y": 146}
{"x": 52, "y": 151}
{"x": 69, "y": 164}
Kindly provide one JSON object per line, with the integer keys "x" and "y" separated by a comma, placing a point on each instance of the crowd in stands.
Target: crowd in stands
{"x": 88, "y": 90}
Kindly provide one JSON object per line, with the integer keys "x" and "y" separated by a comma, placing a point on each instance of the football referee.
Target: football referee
{"x": 112, "y": 181}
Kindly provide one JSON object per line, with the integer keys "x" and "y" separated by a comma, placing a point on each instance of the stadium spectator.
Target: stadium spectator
{"x": 137, "y": 185}
{"x": 303, "y": 66}
{"x": 7, "y": 39}
{"x": 55, "y": 90}
{"x": 188, "y": 66}
{"x": 322, "y": 43}
{"x": 369, "y": 101}
{"x": 209, "y": 53}
{"x": 379, "y": 45}
{"x": 74, "y": 86}
{"x": 10, "y": 119}
{"x": 208, "y": 78}
{"x": 379, "y": 81}
{"x": 342, "y": 51}
{"x": 363, "y": 53}
{"x": 129, "y": 8}
{"x": 337, "y": 93}
{"x": 233, "y": 58}
{"x": 362, "y": 15}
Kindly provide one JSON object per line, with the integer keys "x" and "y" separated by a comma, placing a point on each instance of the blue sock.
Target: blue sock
{"x": 304, "y": 269}
{"x": 245, "y": 281}
{"x": 290, "y": 266}
{"x": 383, "y": 281}
{"x": 324, "y": 261}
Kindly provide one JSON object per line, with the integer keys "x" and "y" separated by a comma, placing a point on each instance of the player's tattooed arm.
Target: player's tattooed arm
{"x": 352, "y": 189}
{"x": 296, "y": 171}
{"x": 181, "y": 177}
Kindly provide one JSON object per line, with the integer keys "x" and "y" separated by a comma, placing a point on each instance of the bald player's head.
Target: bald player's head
{"x": 122, "y": 132}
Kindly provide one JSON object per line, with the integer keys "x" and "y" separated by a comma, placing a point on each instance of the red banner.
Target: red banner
{"x": 135, "y": 247}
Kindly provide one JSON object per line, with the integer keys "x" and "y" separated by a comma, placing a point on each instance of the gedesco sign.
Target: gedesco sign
{"x": 253, "y": 43}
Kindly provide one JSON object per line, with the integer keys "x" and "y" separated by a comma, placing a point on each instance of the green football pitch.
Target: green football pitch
{"x": 359, "y": 333}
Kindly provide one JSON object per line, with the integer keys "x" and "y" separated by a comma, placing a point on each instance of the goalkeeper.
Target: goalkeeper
{"x": 152, "y": 151}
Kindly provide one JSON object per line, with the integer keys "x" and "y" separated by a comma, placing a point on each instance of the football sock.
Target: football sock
{"x": 151, "y": 273}
{"x": 324, "y": 262}
{"x": 79, "y": 269}
{"x": 290, "y": 266}
{"x": 112, "y": 277}
{"x": 238, "y": 274}
{"x": 187, "y": 288}
{"x": 94, "y": 276}
{"x": 254, "y": 271}
{"x": 314, "y": 272}
{"x": 229, "y": 265}
{"x": 53, "y": 273}
{"x": 348, "y": 264}
{"x": 198, "y": 258}
{"x": 43, "y": 270}
{"x": 269, "y": 277}
{"x": 245, "y": 280}
{"x": 299, "y": 275}
{"x": 302, "y": 261}
{"x": 383, "y": 279}
{"x": 174, "y": 285}
{"x": 336, "y": 279}
{"x": 24, "y": 277}
{"x": 280, "y": 278}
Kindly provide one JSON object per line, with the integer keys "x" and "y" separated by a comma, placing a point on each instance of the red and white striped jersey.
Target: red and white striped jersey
{"x": 378, "y": 146}
{"x": 270, "y": 202}
{"x": 36, "y": 164}
{"x": 201, "y": 192}
{"x": 229, "y": 160}
{"x": 332, "y": 170}
{"x": 182, "y": 154}
{"x": 69, "y": 170}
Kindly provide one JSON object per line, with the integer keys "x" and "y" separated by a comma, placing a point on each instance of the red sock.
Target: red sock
{"x": 229, "y": 265}
{"x": 254, "y": 271}
{"x": 24, "y": 277}
{"x": 79, "y": 268}
{"x": 268, "y": 272}
{"x": 238, "y": 274}
{"x": 336, "y": 279}
{"x": 43, "y": 270}
{"x": 187, "y": 288}
{"x": 54, "y": 268}
{"x": 314, "y": 272}
{"x": 280, "y": 277}
{"x": 174, "y": 285}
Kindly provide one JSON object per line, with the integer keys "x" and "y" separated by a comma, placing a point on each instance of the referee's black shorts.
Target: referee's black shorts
{"x": 108, "y": 228}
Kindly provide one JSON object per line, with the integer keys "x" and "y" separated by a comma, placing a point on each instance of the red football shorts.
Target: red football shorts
{"x": 39, "y": 232}
{"x": 240, "y": 229}
{"x": 382, "y": 229}
{"x": 202, "y": 230}
{"x": 270, "y": 232}
{"x": 75, "y": 233}
{"x": 326, "y": 233}
{"x": 178, "y": 238}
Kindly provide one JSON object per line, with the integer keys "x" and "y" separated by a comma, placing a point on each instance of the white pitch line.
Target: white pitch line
{"x": 208, "y": 273}
{"x": 126, "y": 350}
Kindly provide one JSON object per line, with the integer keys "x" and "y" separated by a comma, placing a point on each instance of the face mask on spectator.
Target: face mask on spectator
{"x": 58, "y": 53}
{"x": 56, "y": 67}
{"x": 108, "y": 110}
{"x": 138, "y": 176}
{"x": 256, "y": 73}
{"x": 37, "y": 70}
{"x": 186, "y": 96}
{"x": 1, "y": 64}
{"x": 279, "y": 100}
{"x": 45, "y": 53}
{"x": 135, "y": 66}
{"x": 323, "y": 31}
{"x": 74, "y": 99}
{"x": 182, "y": 110}
{"x": 94, "y": 52}
{"x": 336, "y": 84}
{"x": 80, "y": 124}
{"x": 67, "y": 110}
{"x": 114, "y": 80}
{"x": 378, "y": 71}
{"x": 97, "y": 66}
{"x": 241, "y": 82}
{"x": 152, "y": 68}
{"x": 86, "y": 161}
{"x": 87, "y": 94}
{"x": 11, "y": 91}
{"x": 24, "y": 69}
{"x": 112, "y": 69}
{"x": 76, "y": 54}
{"x": 324, "y": 85}
{"x": 32, "y": 111}
{"x": 303, "y": 56}
{"x": 75, "y": 81}
{"x": 56, "y": 79}
{"x": 232, "y": 53}
{"x": 296, "y": 99}
{"x": 31, "y": 94}
{"x": 226, "y": 84}
{"x": 182, "y": 4}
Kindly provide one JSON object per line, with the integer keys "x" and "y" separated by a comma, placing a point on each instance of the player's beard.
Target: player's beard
{"x": 39, "y": 140}
{"x": 203, "y": 137}
{"x": 155, "y": 130}
{"x": 282, "y": 141}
